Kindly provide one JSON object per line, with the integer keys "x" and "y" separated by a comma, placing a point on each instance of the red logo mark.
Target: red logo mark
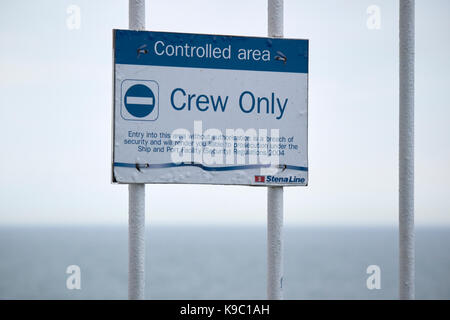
{"x": 260, "y": 179}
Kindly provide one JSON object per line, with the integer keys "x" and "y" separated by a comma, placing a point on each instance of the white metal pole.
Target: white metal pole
{"x": 406, "y": 151}
{"x": 136, "y": 14}
{"x": 136, "y": 197}
{"x": 275, "y": 243}
{"x": 136, "y": 242}
{"x": 275, "y": 194}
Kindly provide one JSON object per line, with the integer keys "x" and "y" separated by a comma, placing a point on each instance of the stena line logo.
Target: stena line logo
{"x": 274, "y": 179}
{"x": 260, "y": 178}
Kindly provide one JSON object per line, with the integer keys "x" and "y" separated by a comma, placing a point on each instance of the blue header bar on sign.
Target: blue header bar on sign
{"x": 210, "y": 51}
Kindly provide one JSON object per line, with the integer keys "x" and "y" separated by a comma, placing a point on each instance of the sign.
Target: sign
{"x": 209, "y": 109}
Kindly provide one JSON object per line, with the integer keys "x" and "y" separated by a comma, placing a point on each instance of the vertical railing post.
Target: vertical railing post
{"x": 275, "y": 243}
{"x": 406, "y": 151}
{"x": 136, "y": 197}
{"x": 275, "y": 194}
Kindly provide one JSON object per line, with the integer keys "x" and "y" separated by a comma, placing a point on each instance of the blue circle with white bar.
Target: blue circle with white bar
{"x": 139, "y": 101}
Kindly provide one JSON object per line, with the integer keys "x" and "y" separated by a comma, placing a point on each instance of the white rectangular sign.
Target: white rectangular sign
{"x": 209, "y": 109}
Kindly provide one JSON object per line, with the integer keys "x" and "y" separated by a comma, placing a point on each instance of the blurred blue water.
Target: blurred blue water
{"x": 217, "y": 262}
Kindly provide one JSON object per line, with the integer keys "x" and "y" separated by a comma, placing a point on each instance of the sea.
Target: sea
{"x": 218, "y": 262}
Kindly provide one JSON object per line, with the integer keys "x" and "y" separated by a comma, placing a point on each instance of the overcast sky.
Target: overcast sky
{"x": 55, "y": 100}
